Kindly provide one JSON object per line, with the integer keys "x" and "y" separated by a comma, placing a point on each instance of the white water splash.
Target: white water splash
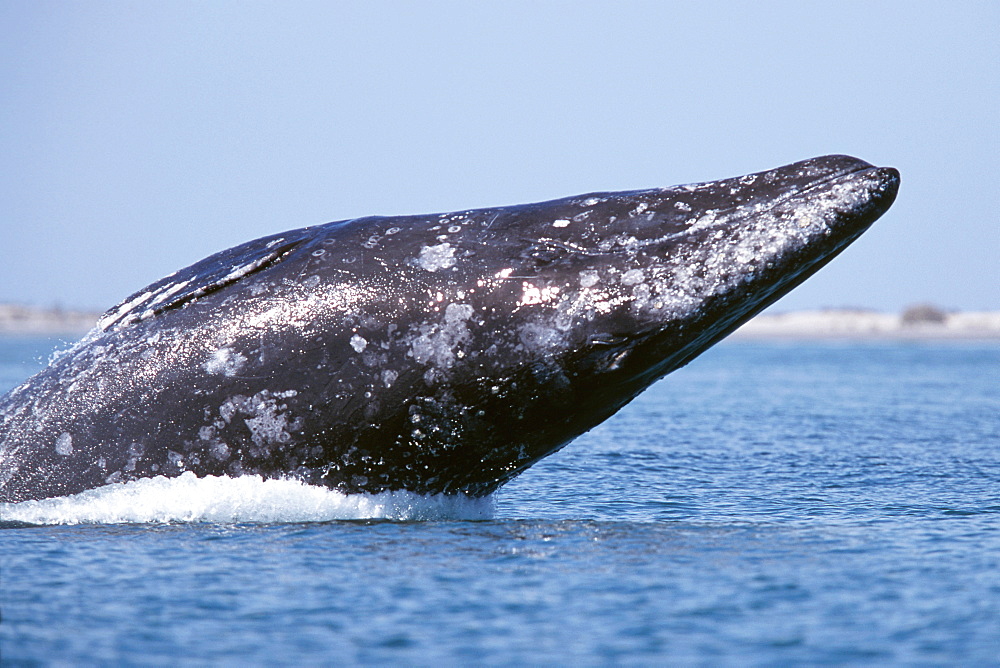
{"x": 243, "y": 499}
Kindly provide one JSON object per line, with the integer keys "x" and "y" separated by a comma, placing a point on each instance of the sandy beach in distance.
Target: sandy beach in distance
{"x": 916, "y": 322}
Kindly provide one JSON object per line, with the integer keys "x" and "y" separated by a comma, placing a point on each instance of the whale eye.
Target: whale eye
{"x": 546, "y": 256}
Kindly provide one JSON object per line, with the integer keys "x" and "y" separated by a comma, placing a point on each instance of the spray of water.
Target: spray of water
{"x": 243, "y": 499}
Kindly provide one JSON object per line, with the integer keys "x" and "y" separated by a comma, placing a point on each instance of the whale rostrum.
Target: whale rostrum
{"x": 437, "y": 353}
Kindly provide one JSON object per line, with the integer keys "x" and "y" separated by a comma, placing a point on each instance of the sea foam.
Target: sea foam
{"x": 243, "y": 499}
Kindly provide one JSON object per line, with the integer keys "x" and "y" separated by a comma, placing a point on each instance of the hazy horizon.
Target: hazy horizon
{"x": 137, "y": 138}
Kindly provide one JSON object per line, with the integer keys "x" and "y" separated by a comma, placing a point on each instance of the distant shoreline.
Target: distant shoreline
{"x": 18, "y": 319}
{"x": 921, "y": 322}
{"x": 915, "y": 323}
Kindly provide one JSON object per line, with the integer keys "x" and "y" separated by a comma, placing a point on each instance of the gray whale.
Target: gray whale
{"x": 439, "y": 353}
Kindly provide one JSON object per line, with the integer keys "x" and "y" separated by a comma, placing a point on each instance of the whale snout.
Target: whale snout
{"x": 861, "y": 197}
{"x": 883, "y": 186}
{"x": 886, "y": 184}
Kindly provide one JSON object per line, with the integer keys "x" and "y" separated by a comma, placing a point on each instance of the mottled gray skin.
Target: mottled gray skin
{"x": 440, "y": 353}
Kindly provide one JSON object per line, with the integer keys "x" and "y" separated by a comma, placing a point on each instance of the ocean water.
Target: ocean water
{"x": 771, "y": 504}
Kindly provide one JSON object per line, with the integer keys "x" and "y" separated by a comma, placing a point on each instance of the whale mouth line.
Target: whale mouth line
{"x": 857, "y": 167}
{"x": 724, "y": 221}
{"x": 859, "y": 171}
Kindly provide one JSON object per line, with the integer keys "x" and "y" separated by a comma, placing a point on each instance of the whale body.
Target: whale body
{"x": 437, "y": 353}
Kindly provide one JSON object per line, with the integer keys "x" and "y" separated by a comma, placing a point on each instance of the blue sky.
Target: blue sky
{"x": 139, "y": 137}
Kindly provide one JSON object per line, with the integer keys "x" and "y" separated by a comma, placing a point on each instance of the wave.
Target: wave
{"x": 253, "y": 499}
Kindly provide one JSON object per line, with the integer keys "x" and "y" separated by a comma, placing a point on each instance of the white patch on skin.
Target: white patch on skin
{"x": 269, "y": 426}
{"x": 64, "y": 444}
{"x": 589, "y": 278}
{"x": 227, "y": 411}
{"x": 266, "y": 420}
{"x": 456, "y": 313}
{"x": 358, "y": 343}
{"x": 632, "y": 276}
{"x": 220, "y": 451}
{"x": 224, "y": 361}
{"x": 134, "y": 455}
{"x": 438, "y": 344}
{"x": 535, "y": 295}
{"x": 538, "y": 337}
{"x": 422, "y": 348}
{"x": 435, "y": 258}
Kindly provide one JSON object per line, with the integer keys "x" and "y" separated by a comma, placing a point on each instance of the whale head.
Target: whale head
{"x": 443, "y": 353}
{"x": 656, "y": 276}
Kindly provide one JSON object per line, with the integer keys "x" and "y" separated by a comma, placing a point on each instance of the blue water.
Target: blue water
{"x": 770, "y": 504}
